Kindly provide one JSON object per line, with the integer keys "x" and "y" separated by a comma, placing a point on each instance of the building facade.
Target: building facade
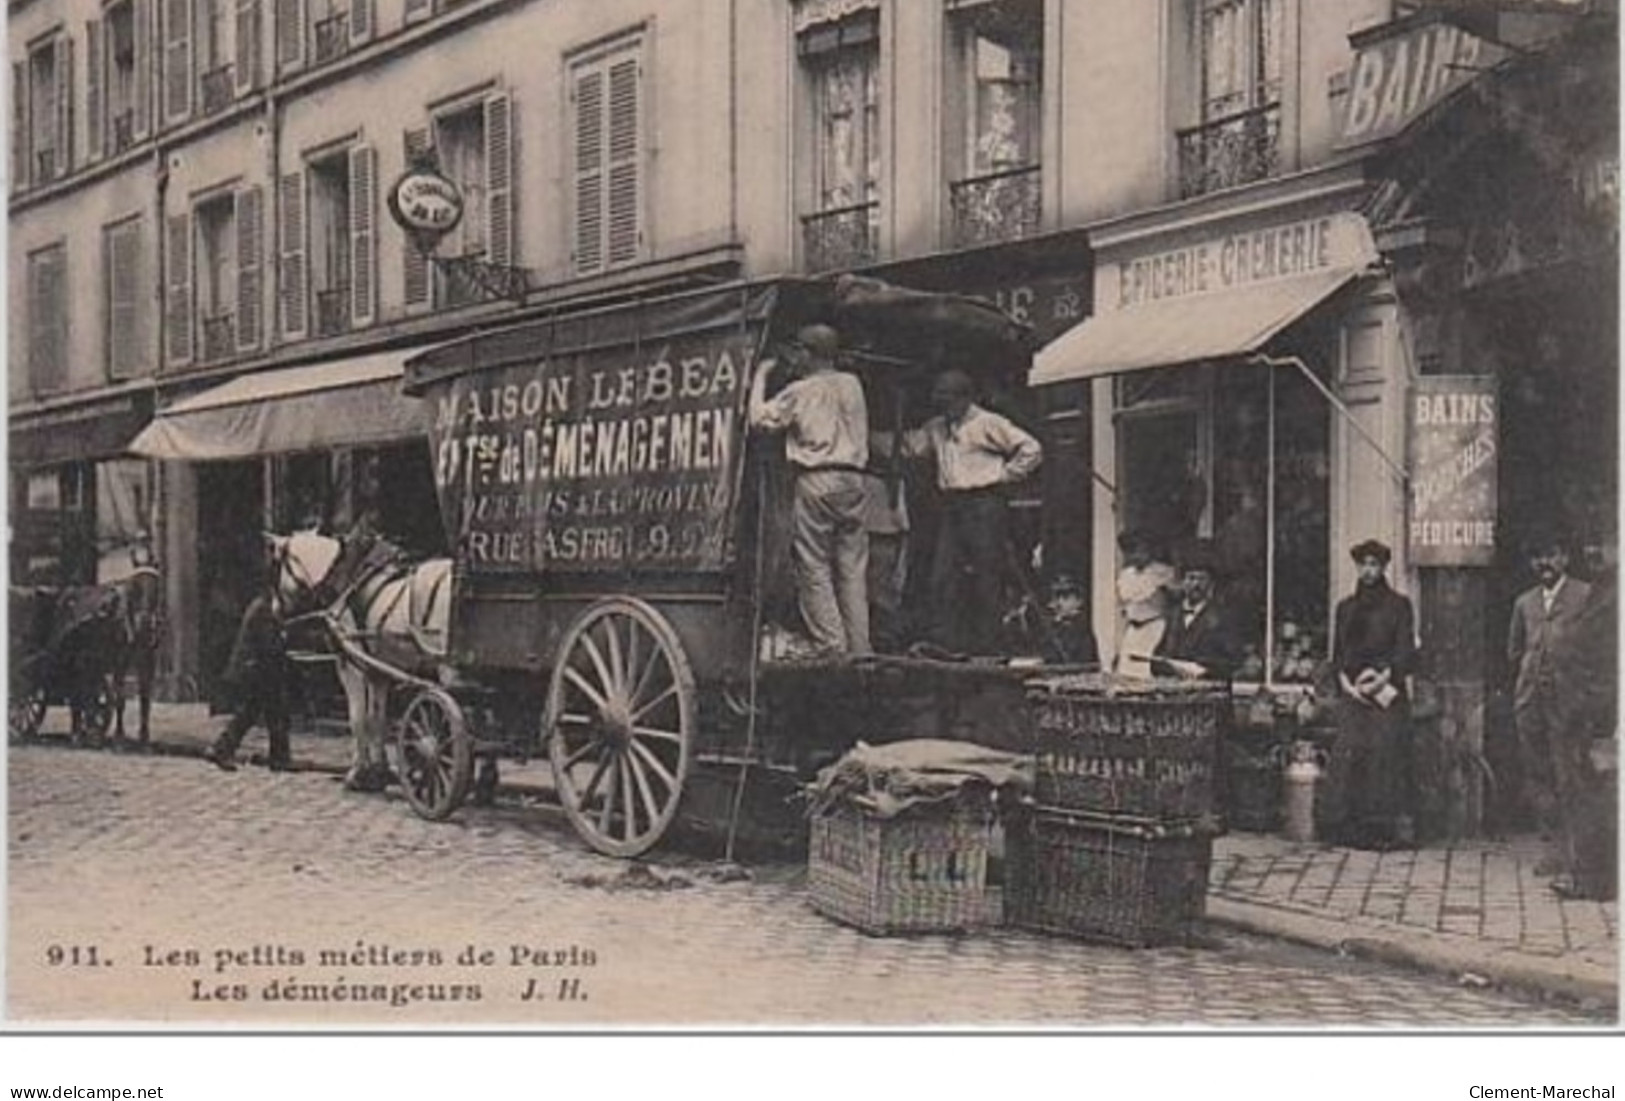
{"x": 1240, "y": 196}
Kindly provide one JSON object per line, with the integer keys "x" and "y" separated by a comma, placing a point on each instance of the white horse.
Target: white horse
{"x": 395, "y": 612}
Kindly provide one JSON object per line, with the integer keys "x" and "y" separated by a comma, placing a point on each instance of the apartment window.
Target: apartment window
{"x": 330, "y": 243}
{"x": 215, "y": 53}
{"x": 41, "y": 112}
{"x": 330, "y": 28}
{"x": 995, "y": 116}
{"x": 472, "y": 145}
{"x": 123, "y": 327}
{"x": 1239, "y": 57}
{"x": 48, "y": 319}
{"x": 217, "y": 277}
{"x": 841, "y": 63}
{"x": 606, "y": 93}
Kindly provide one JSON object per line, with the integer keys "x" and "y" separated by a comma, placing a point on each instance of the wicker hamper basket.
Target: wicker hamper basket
{"x": 932, "y": 869}
{"x": 1149, "y": 750}
{"x": 1123, "y": 882}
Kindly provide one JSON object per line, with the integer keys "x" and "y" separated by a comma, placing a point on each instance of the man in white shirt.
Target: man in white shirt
{"x": 977, "y": 453}
{"x": 826, "y": 425}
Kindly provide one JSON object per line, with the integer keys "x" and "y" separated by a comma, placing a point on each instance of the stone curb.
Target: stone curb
{"x": 1589, "y": 985}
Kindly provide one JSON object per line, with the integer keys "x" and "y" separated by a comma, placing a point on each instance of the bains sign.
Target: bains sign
{"x": 1454, "y": 422}
{"x": 1400, "y": 75}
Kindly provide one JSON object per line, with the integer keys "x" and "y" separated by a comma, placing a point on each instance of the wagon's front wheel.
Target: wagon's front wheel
{"x": 434, "y": 754}
{"x": 619, "y": 725}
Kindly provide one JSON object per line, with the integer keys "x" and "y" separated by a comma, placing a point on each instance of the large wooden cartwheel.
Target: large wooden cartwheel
{"x": 434, "y": 754}
{"x": 619, "y": 725}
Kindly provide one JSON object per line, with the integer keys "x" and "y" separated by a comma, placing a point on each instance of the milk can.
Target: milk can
{"x": 1304, "y": 766}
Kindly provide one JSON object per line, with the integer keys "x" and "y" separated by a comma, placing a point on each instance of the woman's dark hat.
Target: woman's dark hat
{"x": 1371, "y": 548}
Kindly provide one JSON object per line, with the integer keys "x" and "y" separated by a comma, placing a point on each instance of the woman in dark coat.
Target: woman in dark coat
{"x": 1371, "y": 777}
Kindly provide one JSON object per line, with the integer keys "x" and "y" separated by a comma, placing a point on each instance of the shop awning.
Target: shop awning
{"x": 1182, "y": 330}
{"x": 349, "y": 403}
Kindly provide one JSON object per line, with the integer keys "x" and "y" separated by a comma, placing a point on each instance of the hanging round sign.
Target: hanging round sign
{"x": 425, "y": 204}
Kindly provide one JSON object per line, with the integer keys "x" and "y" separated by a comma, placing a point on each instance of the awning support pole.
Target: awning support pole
{"x": 1269, "y": 545}
{"x": 1338, "y": 404}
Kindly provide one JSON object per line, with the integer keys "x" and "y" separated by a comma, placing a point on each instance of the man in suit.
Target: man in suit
{"x": 1200, "y": 641}
{"x": 1549, "y": 648}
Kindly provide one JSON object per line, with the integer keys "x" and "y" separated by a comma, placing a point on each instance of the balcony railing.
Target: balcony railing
{"x": 44, "y": 165}
{"x": 123, "y": 131}
{"x": 219, "y": 336}
{"x": 332, "y": 36}
{"x": 1001, "y": 206}
{"x": 1230, "y": 151}
{"x": 218, "y": 89}
{"x": 333, "y": 310}
{"x": 844, "y": 237}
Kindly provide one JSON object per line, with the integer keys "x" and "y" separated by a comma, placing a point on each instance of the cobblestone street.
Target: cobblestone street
{"x": 211, "y": 896}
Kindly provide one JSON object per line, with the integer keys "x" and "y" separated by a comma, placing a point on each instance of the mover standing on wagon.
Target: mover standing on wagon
{"x": 826, "y": 425}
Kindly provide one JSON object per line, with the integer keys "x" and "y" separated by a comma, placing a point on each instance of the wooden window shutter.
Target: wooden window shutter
{"x": 246, "y": 62}
{"x": 625, "y": 185}
{"x": 417, "y": 9}
{"x": 249, "y": 216}
{"x": 47, "y": 319}
{"x": 499, "y": 164}
{"x": 177, "y": 59}
{"x": 361, "y": 19}
{"x": 178, "y": 296}
{"x": 291, "y": 197}
{"x": 95, "y": 105}
{"x": 64, "y": 105}
{"x": 143, "y": 14}
{"x": 363, "y": 235}
{"x": 589, "y": 170}
{"x": 416, "y": 274}
{"x": 290, "y": 33}
{"x": 21, "y": 151}
{"x": 124, "y": 345}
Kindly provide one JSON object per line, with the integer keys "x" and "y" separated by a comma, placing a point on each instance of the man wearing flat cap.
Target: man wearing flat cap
{"x": 1200, "y": 640}
{"x": 1370, "y": 779}
{"x": 825, "y": 420}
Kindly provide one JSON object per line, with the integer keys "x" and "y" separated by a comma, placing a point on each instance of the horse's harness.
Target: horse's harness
{"x": 376, "y": 560}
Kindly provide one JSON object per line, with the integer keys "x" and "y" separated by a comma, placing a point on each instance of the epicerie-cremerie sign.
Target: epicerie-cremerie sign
{"x": 1234, "y": 260}
{"x": 426, "y": 202}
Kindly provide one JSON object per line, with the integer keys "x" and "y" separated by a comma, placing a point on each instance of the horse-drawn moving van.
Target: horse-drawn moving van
{"x": 620, "y": 552}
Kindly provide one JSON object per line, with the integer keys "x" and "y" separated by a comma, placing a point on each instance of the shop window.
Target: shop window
{"x": 607, "y": 100}
{"x": 996, "y": 103}
{"x": 841, "y": 63}
{"x": 1238, "y": 58}
{"x": 123, "y": 499}
{"x": 48, "y": 319}
{"x": 121, "y": 295}
{"x": 1194, "y": 462}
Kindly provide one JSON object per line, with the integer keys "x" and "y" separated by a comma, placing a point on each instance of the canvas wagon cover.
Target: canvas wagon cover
{"x": 612, "y": 440}
{"x": 609, "y": 440}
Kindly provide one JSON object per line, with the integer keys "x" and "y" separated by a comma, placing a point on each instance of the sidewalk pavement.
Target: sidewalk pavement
{"x": 1472, "y": 909}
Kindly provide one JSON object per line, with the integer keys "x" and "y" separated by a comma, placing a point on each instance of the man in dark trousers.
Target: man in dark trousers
{"x": 1549, "y": 649}
{"x": 258, "y": 677}
{"x": 1200, "y": 641}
